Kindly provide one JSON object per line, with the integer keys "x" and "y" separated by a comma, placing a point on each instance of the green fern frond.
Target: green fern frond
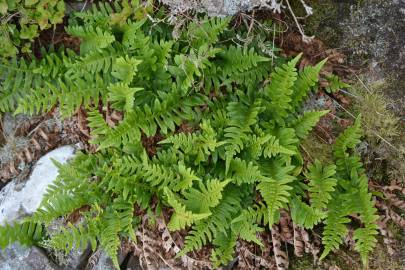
{"x": 199, "y": 144}
{"x": 26, "y": 233}
{"x": 321, "y": 184}
{"x": 272, "y": 147}
{"x": 276, "y": 195}
{"x": 207, "y": 197}
{"x": 98, "y": 126}
{"x": 304, "y": 124}
{"x": 305, "y": 215}
{"x": 221, "y": 216}
{"x": 246, "y": 228}
{"x": 335, "y": 84}
{"x": 94, "y": 62}
{"x": 181, "y": 217}
{"x": 224, "y": 248}
{"x": 348, "y": 139}
{"x": 74, "y": 236}
{"x": 242, "y": 115}
{"x": 99, "y": 13}
{"x": 69, "y": 94}
{"x": 237, "y": 60}
{"x": 335, "y": 225}
{"x": 109, "y": 235}
{"x": 279, "y": 91}
{"x": 124, "y": 68}
{"x": 92, "y": 38}
{"x": 242, "y": 65}
{"x": 205, "y": 31}
{"x": 16, "y": 80}
{"x": 242, "y": 172}
{"x": 121, "y": 96}
{"x": 257, "y": 213}
{"x": 307, "y": 79}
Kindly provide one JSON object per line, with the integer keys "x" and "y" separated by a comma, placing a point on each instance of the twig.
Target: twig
{"x": 84, "y": 6}
{"x": 305, "y": 38}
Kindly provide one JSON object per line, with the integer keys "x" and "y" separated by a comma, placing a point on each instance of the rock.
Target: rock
{"x": 371, "y": 34}
{"x": 18, "y": 257}
{"x": 20, "y": 199}
{"x": 220, "y": 7}
{"x": 75, "y": 259}
{"x": 99, "y": 260}
{"x": 133, "y": 263}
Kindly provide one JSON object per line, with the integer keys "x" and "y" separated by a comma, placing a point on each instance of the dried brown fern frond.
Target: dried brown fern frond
{"x": 280, "y": 255}
{"x": 249, "y": 259}
{"x": 157, "y": 248}
{"x": 388, "y": 237}
{"x": 41, "y": 139}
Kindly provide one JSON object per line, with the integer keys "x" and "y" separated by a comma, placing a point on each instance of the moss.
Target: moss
{"x": 386, "y": 148}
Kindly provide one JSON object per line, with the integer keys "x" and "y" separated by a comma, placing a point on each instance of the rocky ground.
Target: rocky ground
{"x": 370, "y": 33}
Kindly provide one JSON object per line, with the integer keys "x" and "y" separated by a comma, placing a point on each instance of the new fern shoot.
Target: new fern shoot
{"x": 226, "y": 179}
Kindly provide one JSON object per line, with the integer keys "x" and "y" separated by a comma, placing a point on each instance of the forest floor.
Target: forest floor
{"x": 28, "y": 139}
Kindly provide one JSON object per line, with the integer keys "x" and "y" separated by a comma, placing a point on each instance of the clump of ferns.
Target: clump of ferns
{"x": 247, "y": 130}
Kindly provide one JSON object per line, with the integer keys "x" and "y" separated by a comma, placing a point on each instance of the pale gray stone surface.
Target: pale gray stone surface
{"x": 20, "y": 199}
{"x": 18, "y": 257}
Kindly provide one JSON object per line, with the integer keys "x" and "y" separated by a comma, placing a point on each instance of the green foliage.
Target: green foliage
{"x": 228, "y": 127}
{"x": 321, "y": 184}
{"x": 26, "y": 233}
{"x": 352, "y": 198}
{"x": 21, "y": 22}
{"x": 335, "y": 84}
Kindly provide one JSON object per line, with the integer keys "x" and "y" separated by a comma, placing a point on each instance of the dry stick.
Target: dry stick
{"x": 305, "y": 38}
{"x": 252, "y": 21}
{"x": 84, "y": 6}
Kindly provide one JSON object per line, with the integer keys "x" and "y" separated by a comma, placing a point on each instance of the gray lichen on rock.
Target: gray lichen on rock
{"x": 218, "y": 7}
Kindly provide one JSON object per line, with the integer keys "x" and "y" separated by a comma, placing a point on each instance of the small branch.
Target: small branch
{"x": 305, "y": 38}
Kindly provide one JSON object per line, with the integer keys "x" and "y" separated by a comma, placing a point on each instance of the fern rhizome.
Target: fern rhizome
{"x": 224, "y": 177}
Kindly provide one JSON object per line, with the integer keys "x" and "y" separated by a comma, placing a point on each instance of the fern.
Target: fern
{"x": 306, "y": 81}
{"x": 200, "y": 201}
{"x": 243, "y": 172}
{"x": 26, "y": 233}
{"x": 210, "y": 134}
{"x": 224, "y": 248}
{"x": 335, "y": 225}
{"x": 321, "y": 184}
{"x": 242, "y": 115}
{"x": 305, "y": 215}
{"x": 276, "y": 195}
{"x": 242, "y": 65}
{"x": 353, "y": 198}
{"x": 92, "y": 38}
{"x": 306, "y": 122}
{"x": 335, "y": 84}
{"x": 280, "y": 90}
{"x": 205, "y": 31}
{"x": 198, "y": 144}
{"x": 217, "y": 222}
{"x": 181, "y": 217}
{"x": 17, "y": 78}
